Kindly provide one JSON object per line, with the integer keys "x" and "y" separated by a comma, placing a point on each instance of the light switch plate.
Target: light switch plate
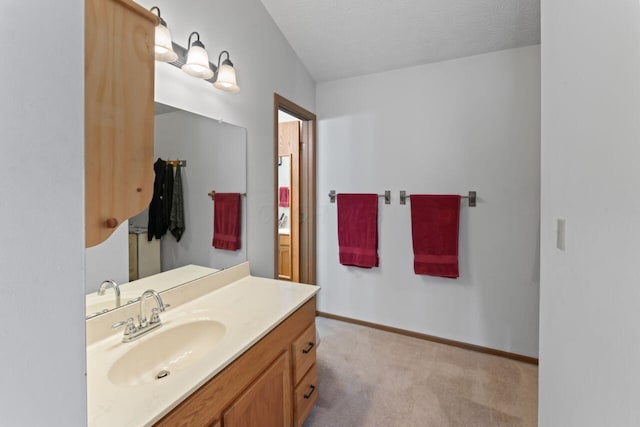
{"x": 561, "y": 234}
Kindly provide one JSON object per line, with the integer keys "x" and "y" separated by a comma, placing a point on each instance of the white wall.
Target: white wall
{"x": 450, "y": 127}
{"x": 42, "y": 215}
{"x": 109, "y": 260}
{"x": 590, "y": 293}
{"x": 216, "y": 156}
{"x": 265, "y": 64}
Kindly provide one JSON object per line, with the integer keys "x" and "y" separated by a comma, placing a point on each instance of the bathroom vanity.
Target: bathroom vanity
{"x": 233, "y": 350}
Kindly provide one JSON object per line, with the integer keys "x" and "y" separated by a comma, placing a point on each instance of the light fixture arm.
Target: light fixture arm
{"x": 157, "y": 9}
{"x": 197, "y": 42}
{"x": 220, "y": 57}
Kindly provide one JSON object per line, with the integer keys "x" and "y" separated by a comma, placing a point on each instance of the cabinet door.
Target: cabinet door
{"x": 119, "y": 84}
{"x": 284, "y": 258}
{"x": 267, "y": 401}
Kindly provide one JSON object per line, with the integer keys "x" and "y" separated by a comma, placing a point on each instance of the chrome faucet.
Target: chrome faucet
{"x": 131, "y": 331}
{"x": 107, "y": 284}
{"x": 155, "y": 317}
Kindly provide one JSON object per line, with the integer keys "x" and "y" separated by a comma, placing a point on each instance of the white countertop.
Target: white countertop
{"x": 249, "y": 308}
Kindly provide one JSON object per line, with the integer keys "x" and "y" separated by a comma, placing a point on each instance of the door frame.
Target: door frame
{"x": 307, "y": 243}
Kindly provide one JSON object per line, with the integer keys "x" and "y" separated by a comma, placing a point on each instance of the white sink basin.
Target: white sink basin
{"x": 166, "y": 350}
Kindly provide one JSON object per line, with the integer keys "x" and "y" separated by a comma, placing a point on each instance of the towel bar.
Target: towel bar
{"x": 472, "y": 198}
{"x": 174, "y": 163}
{"x": 212, "y": 194}
{"x": 386, "y": 195}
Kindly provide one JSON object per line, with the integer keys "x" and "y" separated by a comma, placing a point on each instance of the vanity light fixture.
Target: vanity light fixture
{"x": 163, "y": 47}
{"x": 226, "y": 75}
{"x": 194, "y": 60}
{"x": 197, "y": 59}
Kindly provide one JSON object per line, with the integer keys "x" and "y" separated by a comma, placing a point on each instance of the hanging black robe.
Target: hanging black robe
{"x": 156, "y": 220}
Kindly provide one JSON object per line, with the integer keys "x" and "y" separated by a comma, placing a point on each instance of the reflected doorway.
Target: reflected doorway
{"x": 294, "y": 240}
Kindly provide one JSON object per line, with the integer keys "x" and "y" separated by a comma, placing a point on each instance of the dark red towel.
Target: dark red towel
{"x": 358, "y": 229}
{"x": 226, "y": 221}
{"x": 434, "y": 229}
{"x": 283, "y": 197}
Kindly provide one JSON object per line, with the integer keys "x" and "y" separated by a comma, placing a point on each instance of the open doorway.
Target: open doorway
{"x": 295, "y": 192}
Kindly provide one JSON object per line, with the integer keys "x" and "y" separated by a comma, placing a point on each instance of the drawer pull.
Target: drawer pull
{"x": 312, "y": 388}
{"x": 307, "y": 350}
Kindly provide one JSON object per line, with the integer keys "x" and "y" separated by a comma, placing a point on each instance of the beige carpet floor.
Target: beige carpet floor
{"x": 371, "y": 378}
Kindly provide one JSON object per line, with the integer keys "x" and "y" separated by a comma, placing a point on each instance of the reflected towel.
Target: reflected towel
{"x": 358, "y": 229}
{"x": 176, "y": 224}
{"x": 226, "y": 221}
{"x": 283, "y": 198}
{"x": 435, "y": 222}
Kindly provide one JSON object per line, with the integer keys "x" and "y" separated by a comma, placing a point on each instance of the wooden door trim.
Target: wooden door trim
{"x": 308, "y": 161}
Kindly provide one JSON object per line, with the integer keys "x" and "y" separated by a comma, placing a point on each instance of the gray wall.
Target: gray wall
{"x": 42, "y": 214}
{"x": 590, "y": 292}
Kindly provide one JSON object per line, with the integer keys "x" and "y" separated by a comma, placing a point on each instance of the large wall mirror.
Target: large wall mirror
{"x": 213, "y": 158}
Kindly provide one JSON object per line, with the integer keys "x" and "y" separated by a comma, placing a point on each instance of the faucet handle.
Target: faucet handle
{"x": 155, "y": 316}
{"x": 142, "y": 321}
{"x": 130, "y": 328}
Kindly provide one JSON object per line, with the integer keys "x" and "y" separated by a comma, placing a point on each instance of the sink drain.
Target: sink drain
{"x": 162, "y": 374}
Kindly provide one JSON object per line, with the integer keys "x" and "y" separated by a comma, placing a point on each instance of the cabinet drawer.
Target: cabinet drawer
{"x": 306, "y": 395}
{"x": 304, "y": 352}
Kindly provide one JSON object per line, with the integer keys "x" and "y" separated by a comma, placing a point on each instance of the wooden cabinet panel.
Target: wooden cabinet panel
{"x": 306, "y": 395}
{"x": 267, "y": 402}
{"x": 284, "y": 256}
{"x": 304, "y": 352}
{"x": 119, "y": 84}
{"x": 288, "y": 137}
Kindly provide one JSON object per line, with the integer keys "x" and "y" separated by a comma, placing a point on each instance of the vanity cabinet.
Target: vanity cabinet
{"x": 272, "y": 384}
{"x": 119, "y": 84}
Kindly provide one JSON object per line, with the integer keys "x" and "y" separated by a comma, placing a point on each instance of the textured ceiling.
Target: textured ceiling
{"x": 344, "y": 38}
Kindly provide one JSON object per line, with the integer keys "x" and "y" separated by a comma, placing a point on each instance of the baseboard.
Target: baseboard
{"x": 466, "y": 346}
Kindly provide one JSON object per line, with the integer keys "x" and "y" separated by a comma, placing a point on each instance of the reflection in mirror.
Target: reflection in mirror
{"x": 284, "y": 185}
{"x": 214, "y": 158}
{"x": 284, "y": 218}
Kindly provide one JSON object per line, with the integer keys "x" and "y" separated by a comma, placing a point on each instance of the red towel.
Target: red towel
{"x": 434, "y": 228}
{"x": 358, "y": 229}
{"x": 226, "y": 221}
{"x": 283, "y": 197}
